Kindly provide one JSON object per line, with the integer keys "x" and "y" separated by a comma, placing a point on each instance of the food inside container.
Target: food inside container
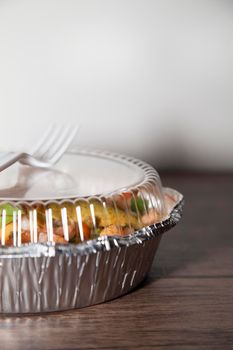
{"x": 82, "y": 220}
{"x": 85, "y": 196}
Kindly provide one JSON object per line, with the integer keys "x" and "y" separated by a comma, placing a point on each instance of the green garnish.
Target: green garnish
{"x": 9, "y": 213}
{"x": 139, "y": 205}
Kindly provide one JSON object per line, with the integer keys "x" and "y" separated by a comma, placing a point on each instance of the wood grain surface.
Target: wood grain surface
{"x": 185, "y": 303}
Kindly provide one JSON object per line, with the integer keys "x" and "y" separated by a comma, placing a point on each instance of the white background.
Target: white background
{"x": 149, "y": 78}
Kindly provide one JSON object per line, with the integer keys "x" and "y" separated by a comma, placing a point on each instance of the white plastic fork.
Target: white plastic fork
{"x": 48, "y": 151}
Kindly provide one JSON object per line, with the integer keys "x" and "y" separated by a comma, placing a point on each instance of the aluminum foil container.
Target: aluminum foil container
{"x": 81, "y": 232}
{"x": 45, "y": 277}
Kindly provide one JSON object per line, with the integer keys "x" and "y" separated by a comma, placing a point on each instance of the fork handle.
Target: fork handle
{"x": 8, "y": 159}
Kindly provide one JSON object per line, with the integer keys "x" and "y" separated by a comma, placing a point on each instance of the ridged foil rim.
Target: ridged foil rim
{"x": 105, "y": 243}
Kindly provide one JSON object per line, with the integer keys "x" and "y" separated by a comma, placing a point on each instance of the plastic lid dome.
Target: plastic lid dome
{"x": 87, "y": 194}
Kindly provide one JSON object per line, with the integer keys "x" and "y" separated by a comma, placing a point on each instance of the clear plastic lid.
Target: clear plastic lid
{"x": 87, "y": 194}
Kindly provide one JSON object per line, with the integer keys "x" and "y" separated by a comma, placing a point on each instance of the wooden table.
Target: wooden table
{"x": 186, "y": 301}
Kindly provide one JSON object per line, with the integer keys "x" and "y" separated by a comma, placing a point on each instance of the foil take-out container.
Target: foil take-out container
{"x": 81, "y": 233}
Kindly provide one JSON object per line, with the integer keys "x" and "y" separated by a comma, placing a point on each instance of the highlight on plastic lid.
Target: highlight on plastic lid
{"x": 86, "y": 195}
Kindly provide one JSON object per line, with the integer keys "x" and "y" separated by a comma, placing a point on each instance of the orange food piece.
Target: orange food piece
{"x": 127, "y": 195}
{"x": 150, "y": 218}
{"x": 86, "y": 231}
{"x": 26, "y": 238}
{"x": 114, "y": 230}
